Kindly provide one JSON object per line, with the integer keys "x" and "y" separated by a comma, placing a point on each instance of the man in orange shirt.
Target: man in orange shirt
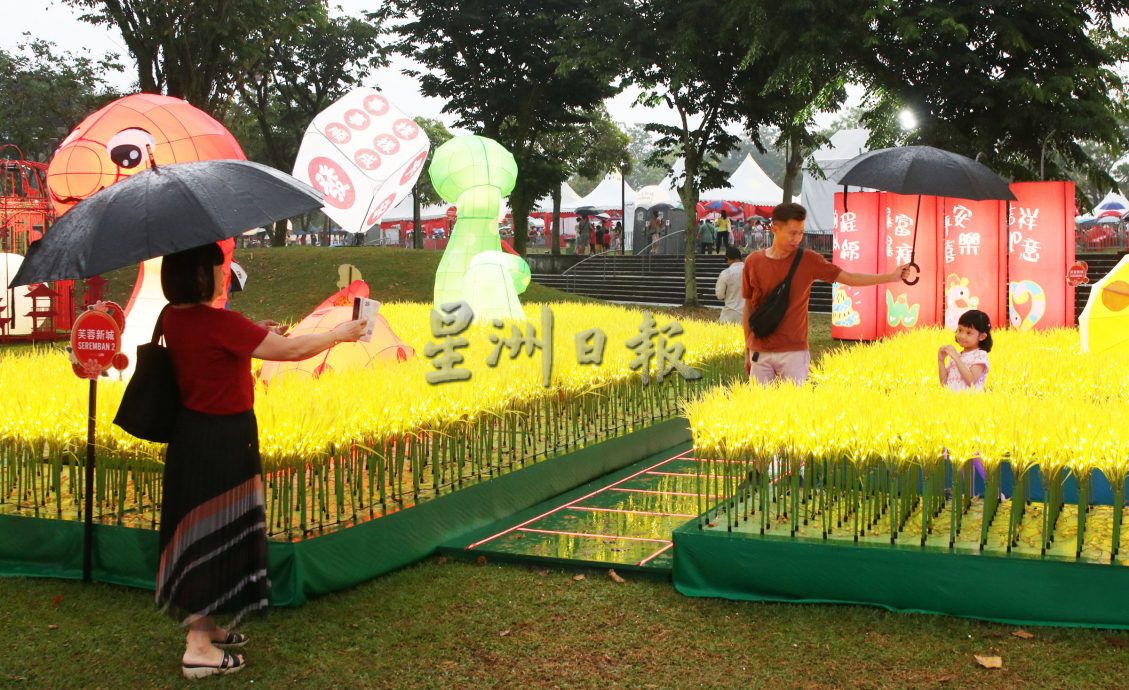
{"x": 784, "y": 353}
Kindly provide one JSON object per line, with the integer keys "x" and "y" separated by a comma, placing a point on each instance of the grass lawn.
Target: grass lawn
{"x": 276, "y": 290}
{"x": 450, "y": 624}
{"x": 440, "y": 625}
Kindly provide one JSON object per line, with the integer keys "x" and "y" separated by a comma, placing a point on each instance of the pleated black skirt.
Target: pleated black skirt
{"x": 213, "y": 558}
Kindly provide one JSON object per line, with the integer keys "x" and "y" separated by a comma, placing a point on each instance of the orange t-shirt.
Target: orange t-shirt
{"x": 762, "y": 275}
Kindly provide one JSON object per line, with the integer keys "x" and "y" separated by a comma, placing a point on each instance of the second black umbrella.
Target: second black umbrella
{"x": 923, "y": 170}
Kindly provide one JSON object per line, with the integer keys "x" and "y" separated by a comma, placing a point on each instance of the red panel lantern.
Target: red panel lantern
{"x": 1040, "y": 249}
{"x": 975, "y": 260}
{"x": 854, "y": 310}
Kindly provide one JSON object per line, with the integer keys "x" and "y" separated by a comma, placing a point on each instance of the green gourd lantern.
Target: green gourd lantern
{"x": 474, "y": 173}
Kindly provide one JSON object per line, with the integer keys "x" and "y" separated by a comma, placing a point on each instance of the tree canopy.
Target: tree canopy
{"x": 1005, "y": 82}
{"x": 45, "y": 92}
{"x": 301, "y": 73}
{"x": 501, "y": 74}
{"x": 199, "y": 51}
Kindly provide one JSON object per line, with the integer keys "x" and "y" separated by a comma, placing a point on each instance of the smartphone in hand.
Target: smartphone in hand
{"x": 365, "y": 308}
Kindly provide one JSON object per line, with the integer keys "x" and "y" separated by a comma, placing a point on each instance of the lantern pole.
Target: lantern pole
{"x": 88, "y": 525}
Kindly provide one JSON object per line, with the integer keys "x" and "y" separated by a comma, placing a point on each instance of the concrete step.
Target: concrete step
{"x": 660, "y": 280}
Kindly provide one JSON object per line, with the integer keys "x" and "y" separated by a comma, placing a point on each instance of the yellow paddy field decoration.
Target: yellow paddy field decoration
{"x": 350, "y": 445}
{"x": 874, "y": 439}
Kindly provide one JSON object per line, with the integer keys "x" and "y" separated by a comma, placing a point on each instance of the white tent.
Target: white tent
{"x": 749, "y": 185}
{"x": 663, "y": 193}
{"x": 403, "y": 211}
{"x": 657, "y": 194}
{"x": 611, "y": 193}
{"x": 1111, "y": 202}
{"x": 818, "y": 193}
{"x": 568, "y": 196}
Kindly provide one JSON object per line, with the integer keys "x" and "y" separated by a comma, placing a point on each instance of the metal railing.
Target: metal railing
{"x": 1102, "y": 237}
{"x": 646, "y": 253}
{"x": 751, "y": 241}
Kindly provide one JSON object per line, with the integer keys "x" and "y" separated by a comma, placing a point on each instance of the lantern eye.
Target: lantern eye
{"x": 127, "y": 147}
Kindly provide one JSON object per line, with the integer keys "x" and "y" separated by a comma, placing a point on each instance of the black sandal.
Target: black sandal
{"x": 232, "y": 641}
{"x": 229, "y": 664}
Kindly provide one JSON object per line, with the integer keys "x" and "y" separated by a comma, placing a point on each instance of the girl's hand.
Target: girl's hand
{"x": 941, "y": 354}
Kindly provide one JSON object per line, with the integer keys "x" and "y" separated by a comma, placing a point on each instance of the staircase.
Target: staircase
{"x": 661, "y": 280}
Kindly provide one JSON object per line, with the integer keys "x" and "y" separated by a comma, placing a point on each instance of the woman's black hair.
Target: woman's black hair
{"x": 979, "y": 322}
{"x": 187, "y": 277}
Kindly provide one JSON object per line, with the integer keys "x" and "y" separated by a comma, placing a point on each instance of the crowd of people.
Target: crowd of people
{"x": 715, "y": 235}
{"x": 600, "y": 236}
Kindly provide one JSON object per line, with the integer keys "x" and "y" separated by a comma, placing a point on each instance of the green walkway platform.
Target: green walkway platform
{"x": 623, "y": 520}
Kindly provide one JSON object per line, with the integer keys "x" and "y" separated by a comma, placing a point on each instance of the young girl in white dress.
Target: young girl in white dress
{"x": 968, "y": 368}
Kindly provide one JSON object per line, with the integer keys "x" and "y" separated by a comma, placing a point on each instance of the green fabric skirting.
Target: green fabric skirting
{"x": 36, "y": 547}
{"x": 1013, "y": 590}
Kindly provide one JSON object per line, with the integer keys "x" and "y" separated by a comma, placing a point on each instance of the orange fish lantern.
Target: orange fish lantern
{"x": 114, "y": 143}
{"x": 118, "y": 141}
{"x": 337, "y": 309}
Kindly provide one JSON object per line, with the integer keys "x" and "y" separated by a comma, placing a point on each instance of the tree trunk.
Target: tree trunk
{"x": 325, "y": 232}
{"x": 688, "y": 192}
{"x": 690, "y": 200}
{"x": 555, "y": 236}
{"x": 520, "y": 210}
{"x": 417, "y": 225}
{"x": 792, "y": 166}
{"x": 278, "y": 234}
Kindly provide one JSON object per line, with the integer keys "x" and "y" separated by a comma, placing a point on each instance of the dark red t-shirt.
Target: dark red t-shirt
{"x": 211, "y": 349}
{"x": 761, "y": 275}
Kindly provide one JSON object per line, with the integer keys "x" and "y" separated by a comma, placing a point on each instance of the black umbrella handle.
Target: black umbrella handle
{"x": 913, "y": 248}
{"x": 913, "y": 265}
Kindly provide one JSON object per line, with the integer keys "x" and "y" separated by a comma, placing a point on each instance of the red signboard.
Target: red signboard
{"x": 1078, "y": 274}
{"x": 974, "y": 260}
{"x": 1041, "y": 248}
{"x": 95, "y": 339}
{"x": 900, "y": 306}
{"x": 854, "y": 313}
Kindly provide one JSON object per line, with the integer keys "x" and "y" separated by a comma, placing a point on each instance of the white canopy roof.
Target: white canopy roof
{"x": 607, "y": 195}
{"x": 568, "y": 196}
{"x": 748, "y": 184}
{"x": 657, "y": 194}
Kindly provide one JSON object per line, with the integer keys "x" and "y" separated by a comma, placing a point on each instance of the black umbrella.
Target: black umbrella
{"x": 161, "y": 211}
{"x": 923, "y": 170}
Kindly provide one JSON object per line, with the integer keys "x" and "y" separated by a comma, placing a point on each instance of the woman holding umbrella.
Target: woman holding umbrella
{"x": 213, "y": 548}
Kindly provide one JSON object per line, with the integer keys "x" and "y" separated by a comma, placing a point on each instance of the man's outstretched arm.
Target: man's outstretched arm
{"x": 864, "y": 279}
